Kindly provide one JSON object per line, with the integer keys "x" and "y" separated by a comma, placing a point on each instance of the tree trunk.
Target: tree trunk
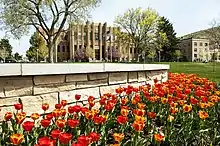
{"x": 50, "y": 47}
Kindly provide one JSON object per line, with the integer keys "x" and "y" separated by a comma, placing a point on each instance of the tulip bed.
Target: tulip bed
{"x": 182, "y": 111}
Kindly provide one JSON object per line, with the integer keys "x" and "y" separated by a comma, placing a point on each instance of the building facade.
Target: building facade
{"x": 95, "y": 41}
{"x": 196, "y": 49}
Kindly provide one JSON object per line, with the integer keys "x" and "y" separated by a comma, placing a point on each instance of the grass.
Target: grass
{"x": 206, "y": 70}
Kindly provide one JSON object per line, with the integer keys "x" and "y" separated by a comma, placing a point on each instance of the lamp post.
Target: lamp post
{"x": 37, "y": 55}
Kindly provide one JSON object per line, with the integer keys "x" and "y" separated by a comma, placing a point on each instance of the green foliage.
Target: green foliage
{"x": 38, "y": 50}
{"x": 5, "y": 49}
{"x": 18, "y": 16}
{"x": 138, "y": 27}
{"x": 17, "y": 56}
{"x": 169, "y": 46}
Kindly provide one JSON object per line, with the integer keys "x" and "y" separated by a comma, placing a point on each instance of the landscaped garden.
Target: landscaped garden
{"x": 182, "y": 111}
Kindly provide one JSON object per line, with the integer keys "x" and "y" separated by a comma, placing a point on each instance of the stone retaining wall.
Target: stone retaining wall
{"x": 38, "y": 86}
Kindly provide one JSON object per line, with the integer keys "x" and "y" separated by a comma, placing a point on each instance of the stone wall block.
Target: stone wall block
{"x": 95, "y": 83}
{"x": 118, "y": 78}
{"x": 31, "y": 104}
{"x": 70, "y": 95}
{"x": 41, "y": 89}
{"x": 76, "y": 77}
{"x": 53, "y": 79}
{"x": 132, "y": 77}
{"x": 98, "y": 76}
{"x": 15, "y": 86}
{"x": 141, "y": 76}
{"x": 108, "y": 89}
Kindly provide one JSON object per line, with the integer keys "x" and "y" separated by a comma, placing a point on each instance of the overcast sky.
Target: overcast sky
{"x": 186, "y": 15}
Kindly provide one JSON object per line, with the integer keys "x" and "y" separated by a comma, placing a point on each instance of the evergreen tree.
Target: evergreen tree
{"x": 38, "y": 50}
{"x": 5, "y": 49}
{"x": 168, "y": 49}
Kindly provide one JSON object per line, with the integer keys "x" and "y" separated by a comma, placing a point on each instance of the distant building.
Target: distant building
{"x": 196, "y": 49}
{"x": 97, "y": 37}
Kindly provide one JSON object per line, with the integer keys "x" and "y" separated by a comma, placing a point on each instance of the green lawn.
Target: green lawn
{"x": 207, "y": 70}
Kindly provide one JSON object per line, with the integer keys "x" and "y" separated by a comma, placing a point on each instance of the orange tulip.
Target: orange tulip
{"x": 17, "y": 139}
{"x": 89, "y": 115}
{"x": 124, "y": 101}
{"x": 164, "y": 100}
{"x": 20, "y": 117}
{"x": 187, "y": 108}
{"x": 138, "y": 126}
{"x": 35, "y": 116}
{"x": 124, "y": 112}
{"x": 158, "y": 137}
{"x": 60, "y": 123}
{"x": 141, "y": 105}
{"x": 170, "y": 118}
{"x": 118, "y": 137}
{"x": 45, "y": 106}
{"x": 203, "y": 115}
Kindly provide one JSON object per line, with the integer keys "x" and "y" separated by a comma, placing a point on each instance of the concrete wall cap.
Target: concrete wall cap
{"x": 26, "y": 69}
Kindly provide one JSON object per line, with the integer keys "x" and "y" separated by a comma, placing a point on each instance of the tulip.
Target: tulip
{"x": 28, "y": 126}
{"x": 65, "y": 138}
{"x": 55, "y": 133}
{"x": 18, "y": 106}
{"x": 60, "y": 123}
{"x": 17, "y": 139}
{"x": 45, "y": 106}
{"x": 72, "y": 123}
{"x": 77, "y": 97}
{"x": 64, "y": 103}
{"x": 118, "y": 137}
{"x": 158, "y": 137}
{"x": 8, "y": 116}
{"x": 45, "y": 123}
{"x": 35, "y": 116}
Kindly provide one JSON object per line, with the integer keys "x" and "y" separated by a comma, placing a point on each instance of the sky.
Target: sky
{"x": 187, "y": 16}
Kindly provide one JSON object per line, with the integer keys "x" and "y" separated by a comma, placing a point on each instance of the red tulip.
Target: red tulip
{"x": 75, "y": 108}
{"x": 58, "y": 106}
{"x": 122, "y": 119}
{"x": 45, "y": 141}
{"x": 84, "y": 140}
{"x": 8, "y": 116}
{"x": 64, "y": 103}
{"x": 55, "y": 134}
{"x": 45, "y": 106}
{"x": 64, "y": 138}
{"x": 73, "y": 123}
{"x": 77, "y": 96}
{"x": 45, "y": 123}
{"x": 77, "y": 144}
{"x": 94, "y": 136}
{"x": 28, "y": 126}
{"x": 60, "y": 123}
{"x": 18, "y": 106}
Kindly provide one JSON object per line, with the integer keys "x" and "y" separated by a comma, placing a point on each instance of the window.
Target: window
{"x": 206, "y": 49}
{"x": 58, "y": 48}
{"x": 130, "y": 50}
{"x": 206, "y": 44}
{"x": 96, "y": 36}
{"x": 195, "y": 55}
{"x": 63, "y": 48}
{"x": 195, "y": 49}
{"x": 200, "y": 44}
{"x": 195, "y": 43}
{"x": 75, "y": 48}
{"x": 68, "y": 49}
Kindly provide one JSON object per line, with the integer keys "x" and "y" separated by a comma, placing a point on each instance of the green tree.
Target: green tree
{"x": 38, "y": 50}
{"x": 138, "y": 27}
{"x": 5, "y": 49}
{"x": 18, "y": 16}
{"x": 17, "y": 56}
{"x": 168, "y": 48}
{"x": 177, "y": 54}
